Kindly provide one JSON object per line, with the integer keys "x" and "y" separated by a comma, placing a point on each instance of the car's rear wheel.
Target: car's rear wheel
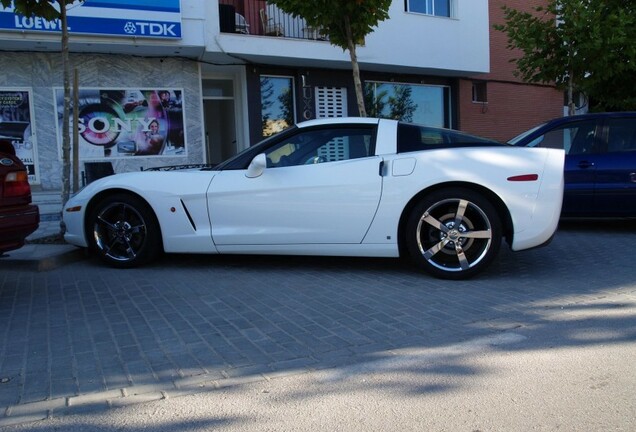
{"x": 123, "y": 231}
{"x": 453, "y": 233}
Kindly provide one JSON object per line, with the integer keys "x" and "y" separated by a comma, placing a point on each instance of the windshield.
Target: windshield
{"x": 521, "y": 136}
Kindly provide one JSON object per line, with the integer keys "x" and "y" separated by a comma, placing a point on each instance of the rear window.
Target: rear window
{"x": 6, "y": 147}
{"x": 415, "y": 138}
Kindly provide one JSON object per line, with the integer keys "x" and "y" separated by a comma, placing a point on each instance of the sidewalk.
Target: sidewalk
{"x": 42, "y": 256}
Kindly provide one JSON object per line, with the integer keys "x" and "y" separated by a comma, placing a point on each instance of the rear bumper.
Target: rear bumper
{"x": 16, "y": 223}
{"x": 547, "y": 205}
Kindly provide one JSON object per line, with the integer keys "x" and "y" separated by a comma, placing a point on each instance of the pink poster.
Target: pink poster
{"x": 126, "y": 123}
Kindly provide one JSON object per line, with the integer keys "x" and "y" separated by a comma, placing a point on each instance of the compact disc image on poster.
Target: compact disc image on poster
{"x": 127, "y": 123}
{"x": 16, "y": 126}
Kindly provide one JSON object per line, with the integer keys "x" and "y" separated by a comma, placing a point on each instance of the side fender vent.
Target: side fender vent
{"x": 185, "y": 209}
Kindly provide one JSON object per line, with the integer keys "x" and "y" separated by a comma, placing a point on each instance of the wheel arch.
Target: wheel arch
{"x": 493, "y": 198}
{"x": 98, "y": 197}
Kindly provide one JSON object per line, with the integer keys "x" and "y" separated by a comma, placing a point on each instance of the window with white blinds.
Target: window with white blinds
{"x": 331, "y": 102}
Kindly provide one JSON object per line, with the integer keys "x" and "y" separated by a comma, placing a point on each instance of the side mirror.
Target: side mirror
{"x": 257, "y": 166}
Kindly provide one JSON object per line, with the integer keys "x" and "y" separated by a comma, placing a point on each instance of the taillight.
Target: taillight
{"x": 16, "y": 184}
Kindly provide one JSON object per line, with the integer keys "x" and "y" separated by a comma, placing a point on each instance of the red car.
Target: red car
{"x": 18, "y": 217}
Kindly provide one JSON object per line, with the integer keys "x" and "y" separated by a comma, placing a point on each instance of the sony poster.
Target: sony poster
{"x": 16, "y": 125}
{"x": 116, "y": 123}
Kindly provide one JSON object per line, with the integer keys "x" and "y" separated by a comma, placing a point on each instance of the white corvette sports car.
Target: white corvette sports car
{"x": 341, "y": 187}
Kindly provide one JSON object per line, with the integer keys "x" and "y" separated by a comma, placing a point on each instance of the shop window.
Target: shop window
{"x": 417, "y": 103}
{"x": 277, "y": 104}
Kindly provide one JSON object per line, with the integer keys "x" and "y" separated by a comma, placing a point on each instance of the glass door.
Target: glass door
{"x": 219, "y": 119}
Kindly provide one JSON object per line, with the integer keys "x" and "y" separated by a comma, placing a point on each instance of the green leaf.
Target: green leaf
{"x": 592, "y": 42}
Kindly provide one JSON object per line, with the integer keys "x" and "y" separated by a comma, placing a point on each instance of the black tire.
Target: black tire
{"x": 444, "y": 251}
{"x": 123, "y": 231}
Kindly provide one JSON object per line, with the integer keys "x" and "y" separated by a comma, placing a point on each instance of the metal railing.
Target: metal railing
{"x": 257, "y": 17}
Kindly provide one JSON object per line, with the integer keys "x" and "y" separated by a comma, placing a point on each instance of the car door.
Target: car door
{"x": 580, "y": 140}
{"x": 320, "y": 186}
{"x": 615, "y": 193}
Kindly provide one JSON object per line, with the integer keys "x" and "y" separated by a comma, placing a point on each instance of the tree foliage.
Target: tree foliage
{"x": 584, "y": 45}
{"x": 402, "y": 105}
{"x": 397, "y": 104}
{"x": 267, "y": 93}
{"x": 374, "y": 101}
{"x": 345, "y": 22}
{"x": 42, "y": 8}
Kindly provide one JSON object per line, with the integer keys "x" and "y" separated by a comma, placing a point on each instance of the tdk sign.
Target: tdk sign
{"x": 150, "y": 29}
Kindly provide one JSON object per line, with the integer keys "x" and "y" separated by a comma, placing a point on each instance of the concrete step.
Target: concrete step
{"x": 50, "y": 204}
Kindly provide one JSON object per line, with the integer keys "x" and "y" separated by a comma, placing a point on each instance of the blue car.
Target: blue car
{"x": 600, "y": 162}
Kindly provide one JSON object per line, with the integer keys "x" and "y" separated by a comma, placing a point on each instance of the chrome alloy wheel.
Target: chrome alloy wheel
{"x": 120, "y": 232}
{"x": 454, "y": 235}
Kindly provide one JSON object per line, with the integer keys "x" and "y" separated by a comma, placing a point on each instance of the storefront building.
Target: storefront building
{"x": 410, "y": 65}
{"x": 137, "y": 107}
{"x": 498, "y": 104}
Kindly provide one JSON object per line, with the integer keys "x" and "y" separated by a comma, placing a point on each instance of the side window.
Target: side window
{"x": 414, "y": 138}
{"x": 576, "y": 138}
{"x": 322, "y": 145}
{"x": 410, "y": 138}
{"x": 411, "y": 103}
{"x": 621, "y": 135}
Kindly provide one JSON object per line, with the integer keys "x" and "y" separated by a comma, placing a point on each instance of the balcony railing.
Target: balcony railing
{"x": 257, "y": 17}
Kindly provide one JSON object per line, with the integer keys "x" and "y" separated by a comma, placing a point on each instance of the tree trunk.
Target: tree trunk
{"x": 76, "y": 185}
{"x": 66, "y": 139}
{"x": 571, "y": 104}
{"x": 357, "y": 82}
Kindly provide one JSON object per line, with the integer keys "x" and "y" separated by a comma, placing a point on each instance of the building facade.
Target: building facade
{"x": 497, "y": 104}
{"x": 192, "y": 81}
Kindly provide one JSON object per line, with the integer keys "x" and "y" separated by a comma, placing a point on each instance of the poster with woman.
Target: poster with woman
{"x": 16, "y": 125}
{"x": 120, "y": 123}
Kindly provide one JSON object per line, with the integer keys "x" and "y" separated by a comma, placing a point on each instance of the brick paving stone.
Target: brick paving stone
{"x": 93, "y": 336}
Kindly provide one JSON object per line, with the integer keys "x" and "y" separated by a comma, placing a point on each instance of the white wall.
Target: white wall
{"x": 452, "y": 44}
{"x": 193, "y": 22}
{"x": 404, "y": 43}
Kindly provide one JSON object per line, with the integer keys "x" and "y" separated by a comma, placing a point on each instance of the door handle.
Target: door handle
{"x": 586, "y": 164}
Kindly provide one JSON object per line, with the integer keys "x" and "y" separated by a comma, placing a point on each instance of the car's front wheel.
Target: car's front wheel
{"x": 453, "y": 233}
{"x": 123, "y": 231}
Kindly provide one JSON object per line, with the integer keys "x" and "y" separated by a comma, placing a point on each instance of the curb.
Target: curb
{"x": 42, "y": 257}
